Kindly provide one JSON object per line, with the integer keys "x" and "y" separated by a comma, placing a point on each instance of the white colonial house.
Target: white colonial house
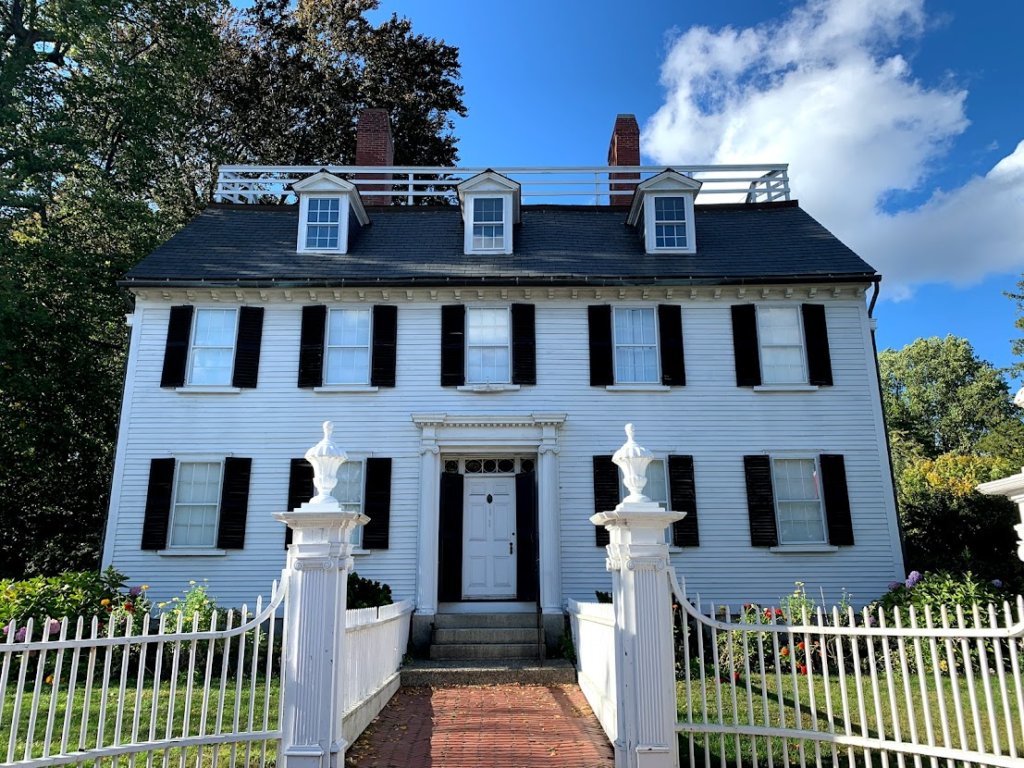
{"x": 478, "y": 360}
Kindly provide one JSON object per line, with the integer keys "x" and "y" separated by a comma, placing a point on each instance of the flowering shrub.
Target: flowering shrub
{"x": 72, "y": 594}
{"x": 940, "y": 588}
{"x": 196, "y": 607}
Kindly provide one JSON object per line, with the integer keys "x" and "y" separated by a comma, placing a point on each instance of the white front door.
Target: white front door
{"x": 489, "y": 538}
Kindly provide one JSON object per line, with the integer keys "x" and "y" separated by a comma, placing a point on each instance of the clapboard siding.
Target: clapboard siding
{"x": 709, "y": 418}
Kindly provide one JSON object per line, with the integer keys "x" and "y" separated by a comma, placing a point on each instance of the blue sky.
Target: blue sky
{"x": 901, "y": 120}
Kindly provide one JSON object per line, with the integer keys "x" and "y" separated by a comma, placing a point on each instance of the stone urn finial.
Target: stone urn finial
{"x": 633, "y": 459}
{"x": 325, "y": 457}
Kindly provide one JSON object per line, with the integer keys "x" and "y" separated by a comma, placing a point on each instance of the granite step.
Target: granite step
{"x": 485, "y": 620}
{"x": 451, "y": 673}
{"x": 495, "y": 651}
{"x": 488, "y": 635}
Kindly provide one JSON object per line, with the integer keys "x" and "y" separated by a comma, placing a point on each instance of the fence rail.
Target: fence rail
{"x": 868, "y": 686}
{"x": 124, "y": 688}
{"x": 586, "y": 184}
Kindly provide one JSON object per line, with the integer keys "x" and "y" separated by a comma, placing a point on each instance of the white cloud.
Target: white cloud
{"x": 827, "y": 90}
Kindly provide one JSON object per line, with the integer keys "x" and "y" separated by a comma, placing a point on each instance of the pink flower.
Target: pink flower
{"x": 19, "y": 636}
{"x": 54, "y": 627}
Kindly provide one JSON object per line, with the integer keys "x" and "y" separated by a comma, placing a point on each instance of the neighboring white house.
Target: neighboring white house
{"x": 479, "y": 360}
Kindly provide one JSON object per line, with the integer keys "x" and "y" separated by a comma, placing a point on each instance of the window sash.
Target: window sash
{"x": 195, "y": 511}
{"x": 488, "y": 345}
{"x": 212, "y": 351}
{"x": 350, "y": 493}
{"x": 323, "y": 223}
{"x": 670, "y": 222}
{"x": 488, "y": 224}
{"x": 635, "y": 338}
{"x": 798, "y": 508}
{"x": 348, "y": 344}
{"x": 656, "y": 490}
{"x": 780, "y": 334}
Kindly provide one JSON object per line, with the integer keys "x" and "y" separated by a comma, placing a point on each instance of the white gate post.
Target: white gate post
{"x": 638, "y": 558}
{"x": 319, "y": 561}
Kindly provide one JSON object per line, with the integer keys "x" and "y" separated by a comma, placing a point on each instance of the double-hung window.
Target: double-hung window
{"x": 213, "y": 346}
{"x": 782, "y": 345}
{"x": 349, "y": 493}
{"x": 488, "y": 354}
{"x": 488, "y": 224}
{"x": 348, "y": 347}
{"x": 798, "y": 506}
{"x": 323, "y": 223}
{"x": 194, "y": 512}
{"x": 670, "y": 222}
{"x": 636, "y": 346}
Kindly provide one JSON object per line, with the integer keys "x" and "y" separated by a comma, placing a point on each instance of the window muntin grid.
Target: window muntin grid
{"x": 213, "y": 346}
{"x": 670, "y": 222}
{"x": 782, "y": 345}
{"x": 636, "y": 346}
{"x": 323, "y": 223}
{"x": 194, "y": 515}
{"x": 488, "y": 354}
{"x": 798, "y": 506}
{"x": 348, "y": 347}
{"x": 488, "y": 224}
{"x": 349, "y": 493}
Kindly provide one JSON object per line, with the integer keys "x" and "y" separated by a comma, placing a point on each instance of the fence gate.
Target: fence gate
{"x": 840, "y": 687}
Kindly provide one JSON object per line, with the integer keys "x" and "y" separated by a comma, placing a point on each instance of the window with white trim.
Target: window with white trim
{"x": 488, "y": 224}
{"x": 670, "y": 222}
{"x": 798, "y": 507}
{"x": 349, "y": 493}
{"x": 323, "y": 223}
{"x": 212, "y": 352}
{"x": 195, "y": 510}
{"x": 636, "y": 345}
{"x": 347, "y": 359}
{"x": 657, "y": 484}
{"x": 782, "y": 345}
{"x": 488, "y": 353}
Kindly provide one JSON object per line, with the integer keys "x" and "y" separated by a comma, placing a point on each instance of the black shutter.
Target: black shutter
{"x": 377, "y": 503}
{"x": 449, "y": 556}
{"x": 158, "y": 504}
{"x": 234, "y": 503}
{"x": 670, "y": 332}
{"x": 311, "y": 346}
{"x": 760, "y": 501}
{"x": 599, "y": 319}
{"x": 300, "y": 489}
{"x": 837, "y": 499}
{"x": 606, "y": 493}
{"x": 524, "y": 345}
{"x": 385, "y": 345}
{"x": 453, "y": 348}
{"x": 819, "y": 360}
{"x": 526, "y": 536}
{"x": 247, "y": 347}
{"x": 683, "y": 498}
{"x": 744, "y": 345}
{"x": 179, "y": 328}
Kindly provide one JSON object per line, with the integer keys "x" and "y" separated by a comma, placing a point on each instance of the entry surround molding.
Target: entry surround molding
{"x": 489, "y": 433}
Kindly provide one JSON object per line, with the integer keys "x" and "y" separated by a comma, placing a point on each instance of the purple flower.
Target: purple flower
{"x": 895, "y": 585}
{"x": 135, "y": 591}
{"x": 912, "y": 578}
{"x": 20, "y": 635}
{"x": 54, "y": 627}
{"x": 997, "y": 583}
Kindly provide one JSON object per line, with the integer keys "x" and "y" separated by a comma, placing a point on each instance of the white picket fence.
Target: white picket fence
{"x": 593, "y": 634}
{"x": 871, "y": 687}
{"x": 377, "y": 639}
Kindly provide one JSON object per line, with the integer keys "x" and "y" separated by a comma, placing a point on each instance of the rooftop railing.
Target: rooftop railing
{"x": 581, "y": 185}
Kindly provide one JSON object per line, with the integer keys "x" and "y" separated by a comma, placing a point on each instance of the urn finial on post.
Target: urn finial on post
{"x": 326, "y": 458}
{"x": 633, "y": 459}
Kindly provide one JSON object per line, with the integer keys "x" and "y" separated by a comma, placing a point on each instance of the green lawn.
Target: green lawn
{"x": 84, "y": 731}
{"x": 745, "y": 704}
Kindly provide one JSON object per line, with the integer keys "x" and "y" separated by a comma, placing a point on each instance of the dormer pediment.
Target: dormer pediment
{"x": 490, "y": 207}
{"x": 662, "y": 209}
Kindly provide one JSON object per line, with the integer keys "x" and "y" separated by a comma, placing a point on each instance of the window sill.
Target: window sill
{"x": 786, "y": 388}
{"x": 638, "y": 388}
{"x": 803, "y": 549}
{"x": 345, "y": 388}
{"x": 485, "y": 388}
{"x": 191, "y": 552}
{"x": 360, "y": 551}
{"x": 208, "y": 389}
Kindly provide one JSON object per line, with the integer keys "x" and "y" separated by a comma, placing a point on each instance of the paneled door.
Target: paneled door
{"x": 489, "y": 538}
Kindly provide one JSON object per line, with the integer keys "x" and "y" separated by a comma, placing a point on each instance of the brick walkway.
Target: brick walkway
{"x": 501, "y": 726}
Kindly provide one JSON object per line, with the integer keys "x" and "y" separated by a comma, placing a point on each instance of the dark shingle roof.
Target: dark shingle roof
{"x": 255, "y": 245}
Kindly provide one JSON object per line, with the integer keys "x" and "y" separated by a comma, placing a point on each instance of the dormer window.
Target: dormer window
{"x": 490, "y": 208}
{"x": 327, "y": 206}
{"x": 662, "y": 211}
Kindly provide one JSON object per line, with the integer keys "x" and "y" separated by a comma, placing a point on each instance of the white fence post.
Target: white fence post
{"x": 638, "y": 558}
{"x": 319, "y": 561}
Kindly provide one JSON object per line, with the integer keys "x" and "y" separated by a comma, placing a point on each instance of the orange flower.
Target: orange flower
{"x": 104, "y": 602}
{"x": 784, "y": 651}
{"x": 49, "y": 679}
{"x": 800, "y": 646}
{"x": 803, "y": 669}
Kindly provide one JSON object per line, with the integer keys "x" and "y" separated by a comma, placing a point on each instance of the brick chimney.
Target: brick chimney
{"x": 624, "y": 149}
{"x": 374, "y": 146}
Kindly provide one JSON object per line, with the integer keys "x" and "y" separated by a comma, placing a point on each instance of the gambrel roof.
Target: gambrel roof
{"x": 555, "y": 244}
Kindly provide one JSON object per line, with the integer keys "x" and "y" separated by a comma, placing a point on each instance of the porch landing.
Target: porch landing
{"x": 503, "y": 726}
